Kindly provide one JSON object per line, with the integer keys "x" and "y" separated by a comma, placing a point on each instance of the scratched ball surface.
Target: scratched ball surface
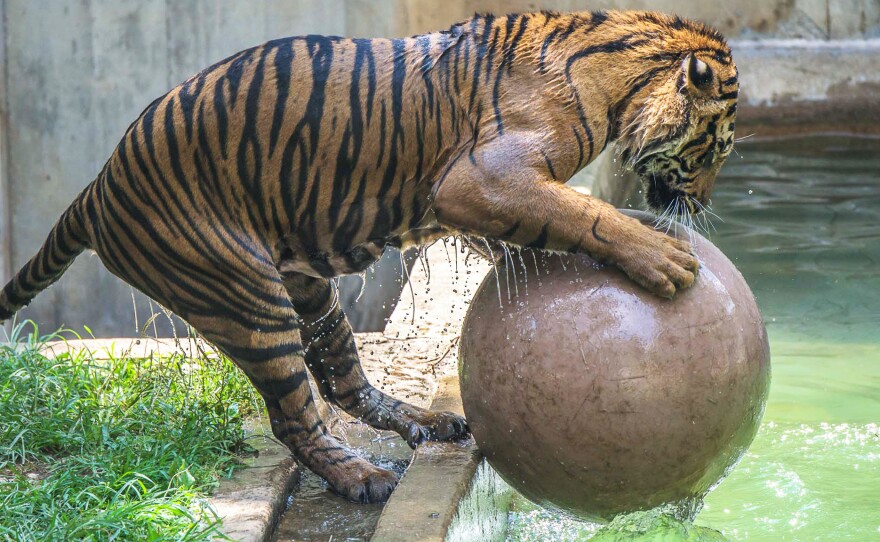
{"x": 591, "y": 396}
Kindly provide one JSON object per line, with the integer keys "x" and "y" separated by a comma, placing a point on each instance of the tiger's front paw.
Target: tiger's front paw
{"x": 658, "y": 262}
{"x": 436, "y": 426}
{"x": 363, "y": 482}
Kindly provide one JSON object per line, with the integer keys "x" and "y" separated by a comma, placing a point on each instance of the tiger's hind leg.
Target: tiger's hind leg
{"x": 331, "y": 355}
{"x": 262, "y": 335}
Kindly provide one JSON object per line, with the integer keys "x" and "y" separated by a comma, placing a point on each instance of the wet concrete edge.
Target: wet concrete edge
{"x": 426, "y": 500}
{"x": 251, "y": 502}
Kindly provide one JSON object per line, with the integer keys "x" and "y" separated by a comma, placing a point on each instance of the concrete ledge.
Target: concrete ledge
{"x": 251, "y": 502}
{"x": 143, "y": 348}
{"x": 791, "y": 86}
{"x": 426, "y": 500}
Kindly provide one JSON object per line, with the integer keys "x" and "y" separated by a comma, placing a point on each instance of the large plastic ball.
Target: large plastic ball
{"x": 590, "y": 395}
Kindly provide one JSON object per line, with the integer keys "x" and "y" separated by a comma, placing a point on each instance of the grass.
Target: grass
{"x": 121, "y": 449}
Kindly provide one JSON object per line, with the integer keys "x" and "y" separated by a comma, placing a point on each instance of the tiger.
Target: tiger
{"x": 236, "y": 198}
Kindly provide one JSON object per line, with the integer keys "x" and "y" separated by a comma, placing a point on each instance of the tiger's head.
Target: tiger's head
{"x": 677, "y": 137}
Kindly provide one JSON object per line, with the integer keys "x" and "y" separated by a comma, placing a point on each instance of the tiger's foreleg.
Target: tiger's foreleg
{"x": 505, "y": 192}
{"x": 331, "y": 355}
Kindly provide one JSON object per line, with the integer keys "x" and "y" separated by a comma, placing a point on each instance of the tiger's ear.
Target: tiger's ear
{"x": 697, "y": 76}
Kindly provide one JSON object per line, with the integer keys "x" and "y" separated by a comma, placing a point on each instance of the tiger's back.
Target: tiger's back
{"x": 317, "y": 146}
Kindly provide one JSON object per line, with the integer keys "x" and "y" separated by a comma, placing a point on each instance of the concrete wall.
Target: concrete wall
{"x": 77, "y": 72}
{"x": 822, "y": 19}
{"x": 5, "y": 219}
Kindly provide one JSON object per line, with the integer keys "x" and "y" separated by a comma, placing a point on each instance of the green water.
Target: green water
{"x": 802, "y": 223}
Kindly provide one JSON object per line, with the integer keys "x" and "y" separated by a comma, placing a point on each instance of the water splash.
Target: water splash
{"x": 363, "y": 276}
{"x": 508, "y": 267}
{"x": 522, "y": 262}
{"x": 412, "y": 292}
{"x": 655, "y": 525}
{"x": 495, "y": 270}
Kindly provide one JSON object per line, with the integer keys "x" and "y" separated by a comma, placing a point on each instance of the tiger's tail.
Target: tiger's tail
{"x": 68, "y": 238}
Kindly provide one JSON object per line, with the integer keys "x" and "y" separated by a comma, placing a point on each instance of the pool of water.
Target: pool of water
{"x": 315, "y": 514}
{"x": 801, "y": 220}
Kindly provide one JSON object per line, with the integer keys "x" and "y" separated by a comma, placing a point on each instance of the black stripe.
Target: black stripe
{"x": 382, "y": 133}
{"x": 282, "y": 388}
{"x": 490, "y": 53}
{"x": 510, "y": 232}
{"x": 382, "y": 223}
{"x": 424, "y": 44}
{"x": 284, "y": 57}
{"x": 253, "y": 354}
{"x": 626, "y": 43}
{"x": 249, "y": 144}
{"x": 596, "y": 233}
{"x": 580, "y": 143}
{"x": 639, "y": 84}
{"x": 351, "y": 223}
{"x": 321, "y": 50}
{"x": 232, "y": 76}
{"x": 694, "y": 142}
{"x": 188, "y": 96}
{"x": 549, "y": 165}
{"x": 480, "y": 54}
{"x": 367, "y": 53}
{"x": 547, "y": 41}
{"x": 541, "y": 240}
{"x": 506, "y": 66}
{"x": 623, "y": 44}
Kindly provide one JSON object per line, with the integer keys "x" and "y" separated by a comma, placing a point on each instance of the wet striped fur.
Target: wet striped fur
{"x": 236, "y": 197}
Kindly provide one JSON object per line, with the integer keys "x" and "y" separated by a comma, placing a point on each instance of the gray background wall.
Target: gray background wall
{"x": 76, "y": 73}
